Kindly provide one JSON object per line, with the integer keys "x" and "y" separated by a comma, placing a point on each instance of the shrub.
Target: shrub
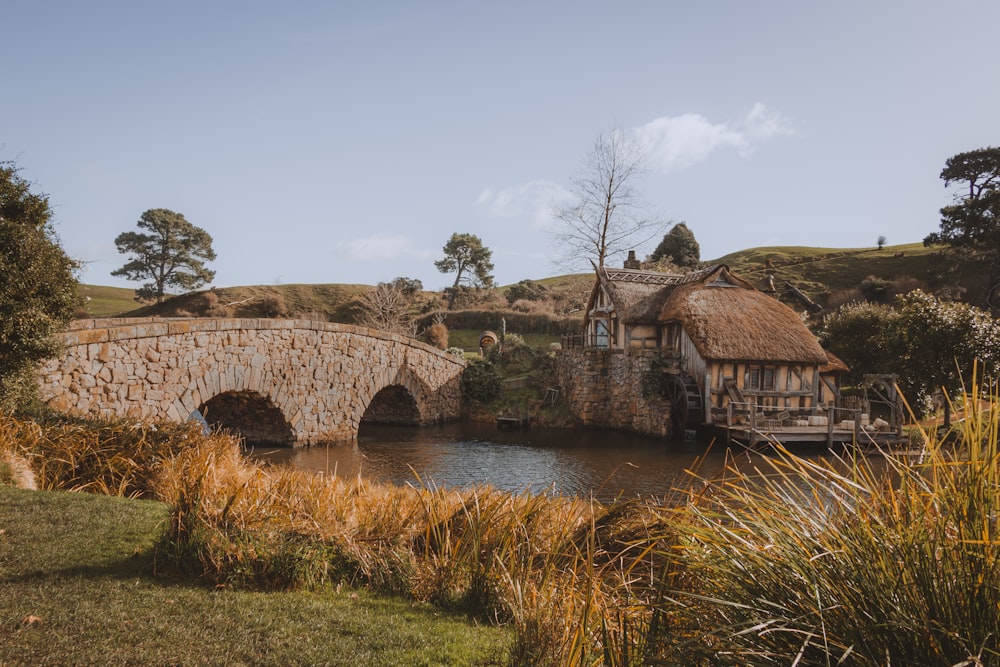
{"x": 273, "y": 305}
{"x": 208, "y": 304}
{"x": 526, "y": 290}
{"x": 465, "y": 296}
{"x": 481, "y": 381}
{"x": 438, "y": 335}
{"x": 408, "y": 286}
{"x": 875, "y": 289}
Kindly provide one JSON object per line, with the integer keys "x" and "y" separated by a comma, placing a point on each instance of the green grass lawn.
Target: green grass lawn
{"x": 76, "y": 587}
{"x": 107, "y": 301}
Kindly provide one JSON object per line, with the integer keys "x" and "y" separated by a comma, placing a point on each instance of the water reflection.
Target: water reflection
{"x": 600, "y": 463}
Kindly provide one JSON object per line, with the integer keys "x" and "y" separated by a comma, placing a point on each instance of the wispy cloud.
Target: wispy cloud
{"x": 678, "y": 142}
{"x": 670, "y": 143}
{"x": 379, "y": 248}
{"x": 534, "y": 201}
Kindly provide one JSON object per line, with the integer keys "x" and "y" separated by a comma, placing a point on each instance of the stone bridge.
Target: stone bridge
{"x": 273, "y": 381}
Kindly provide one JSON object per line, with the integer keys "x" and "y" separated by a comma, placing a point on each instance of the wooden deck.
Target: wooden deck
{"x": 741, "y": 434}
{"x": 751, "y": 425}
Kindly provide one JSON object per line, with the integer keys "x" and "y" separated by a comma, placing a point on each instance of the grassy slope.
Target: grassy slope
{"x": 80, "y": 564}
{"x": 107, "y": 301}
{"x": 821, "y": 271}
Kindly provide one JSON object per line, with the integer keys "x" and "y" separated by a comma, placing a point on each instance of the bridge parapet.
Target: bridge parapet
{"x": 321, "y": 376}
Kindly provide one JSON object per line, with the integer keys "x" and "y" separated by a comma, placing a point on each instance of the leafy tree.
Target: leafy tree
{"x": 607, "y": 218}
{"x": 865, "y": 335}
{"x": 38, "y": 286}
{"x": 679, "y": 246}
{"x": 931, "y": 344}
{"x": 971, "y": 224}
{"x": 172, "y": 254}
{"x": 881, "y": 241}
{"x": 466, "y": 255}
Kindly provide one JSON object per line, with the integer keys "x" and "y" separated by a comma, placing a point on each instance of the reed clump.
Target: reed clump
{"x": 118, "y": 457}
{"x": 575, "y": 578}
{"x": 878, "y": 560}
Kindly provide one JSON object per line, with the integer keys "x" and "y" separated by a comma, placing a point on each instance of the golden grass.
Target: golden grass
{"x": 573, "y": 576}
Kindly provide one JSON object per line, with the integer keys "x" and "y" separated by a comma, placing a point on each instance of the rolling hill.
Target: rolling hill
{"x": 825, "y": 276}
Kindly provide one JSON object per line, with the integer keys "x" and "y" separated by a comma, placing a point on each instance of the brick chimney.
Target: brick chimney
{"x": 632, "y": 262}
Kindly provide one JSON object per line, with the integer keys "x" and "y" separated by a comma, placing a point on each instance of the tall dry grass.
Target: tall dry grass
{"x": 879, "y": 561}
{"x": 576, "y": 578}
{"x": 119, "y": 457}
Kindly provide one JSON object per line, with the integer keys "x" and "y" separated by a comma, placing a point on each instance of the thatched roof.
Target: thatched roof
{"x": 724, "y": 315}
{"x": 726, "y": 321}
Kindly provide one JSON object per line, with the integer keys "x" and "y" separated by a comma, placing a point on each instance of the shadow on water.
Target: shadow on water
{"x": 604, "y": 464}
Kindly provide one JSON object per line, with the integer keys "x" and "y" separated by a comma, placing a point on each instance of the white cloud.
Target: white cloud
{"x": 678, "y": 142}
{"x": 378, "y": 247}
{"x": 534, "y": 201}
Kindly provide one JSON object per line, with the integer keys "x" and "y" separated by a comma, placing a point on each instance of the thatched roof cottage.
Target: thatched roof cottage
{"x": 730, "y": 342}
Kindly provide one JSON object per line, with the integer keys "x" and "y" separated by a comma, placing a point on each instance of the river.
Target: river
{"x": 604, "y": 464}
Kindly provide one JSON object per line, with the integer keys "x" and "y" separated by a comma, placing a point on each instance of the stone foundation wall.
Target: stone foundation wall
{"x": 604, "y": 389}
{"x": 321, "y": 376}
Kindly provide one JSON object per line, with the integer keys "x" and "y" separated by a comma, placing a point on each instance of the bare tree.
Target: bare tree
{"x": 386, "y": 308}
{"x": 608, "y": 217}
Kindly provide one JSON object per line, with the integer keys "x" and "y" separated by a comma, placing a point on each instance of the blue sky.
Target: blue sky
{"x": 322, "y": 142}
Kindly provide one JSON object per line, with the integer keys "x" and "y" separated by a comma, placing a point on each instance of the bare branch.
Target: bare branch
{"x": 609, "y": 216}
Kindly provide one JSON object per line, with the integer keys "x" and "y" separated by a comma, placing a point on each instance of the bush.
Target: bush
{"x": 526, "y": 290}
{"x": 481, "y": 382}
{"x": 408, "y": 286}
{"x": 437, "y": 334}
{"x": 273, "y": 305}
{"x": 210, "y": 307}
{"x": 465, "y": 296}
{"x": 875, "y": 289}
{"x": 919, "y": 338}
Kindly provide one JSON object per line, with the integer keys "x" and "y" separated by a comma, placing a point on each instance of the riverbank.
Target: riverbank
{"x": 77, "y": 587}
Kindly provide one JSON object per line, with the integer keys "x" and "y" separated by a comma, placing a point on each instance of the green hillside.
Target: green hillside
{"x": 107, "y": 301}
{"x": 831, "y": 276}
{"x": 826, "y": 276}
{"x": 335, "y": 302}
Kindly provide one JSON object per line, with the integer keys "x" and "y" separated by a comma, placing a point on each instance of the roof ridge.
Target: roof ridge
{"x": 656, "y": 277}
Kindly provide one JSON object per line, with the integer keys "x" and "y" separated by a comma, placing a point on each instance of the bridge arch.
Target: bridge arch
{"x": 322, "y": 377}
{"x": 393, "y": 404}
{"x": 254, "y": 417}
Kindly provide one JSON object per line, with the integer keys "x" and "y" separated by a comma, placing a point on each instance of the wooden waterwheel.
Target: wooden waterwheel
{"x": 686, "y": 405}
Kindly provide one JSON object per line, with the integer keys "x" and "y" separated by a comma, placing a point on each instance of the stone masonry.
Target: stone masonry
{"x": 321, "y": 376}
{"x": 603, "y": 388}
